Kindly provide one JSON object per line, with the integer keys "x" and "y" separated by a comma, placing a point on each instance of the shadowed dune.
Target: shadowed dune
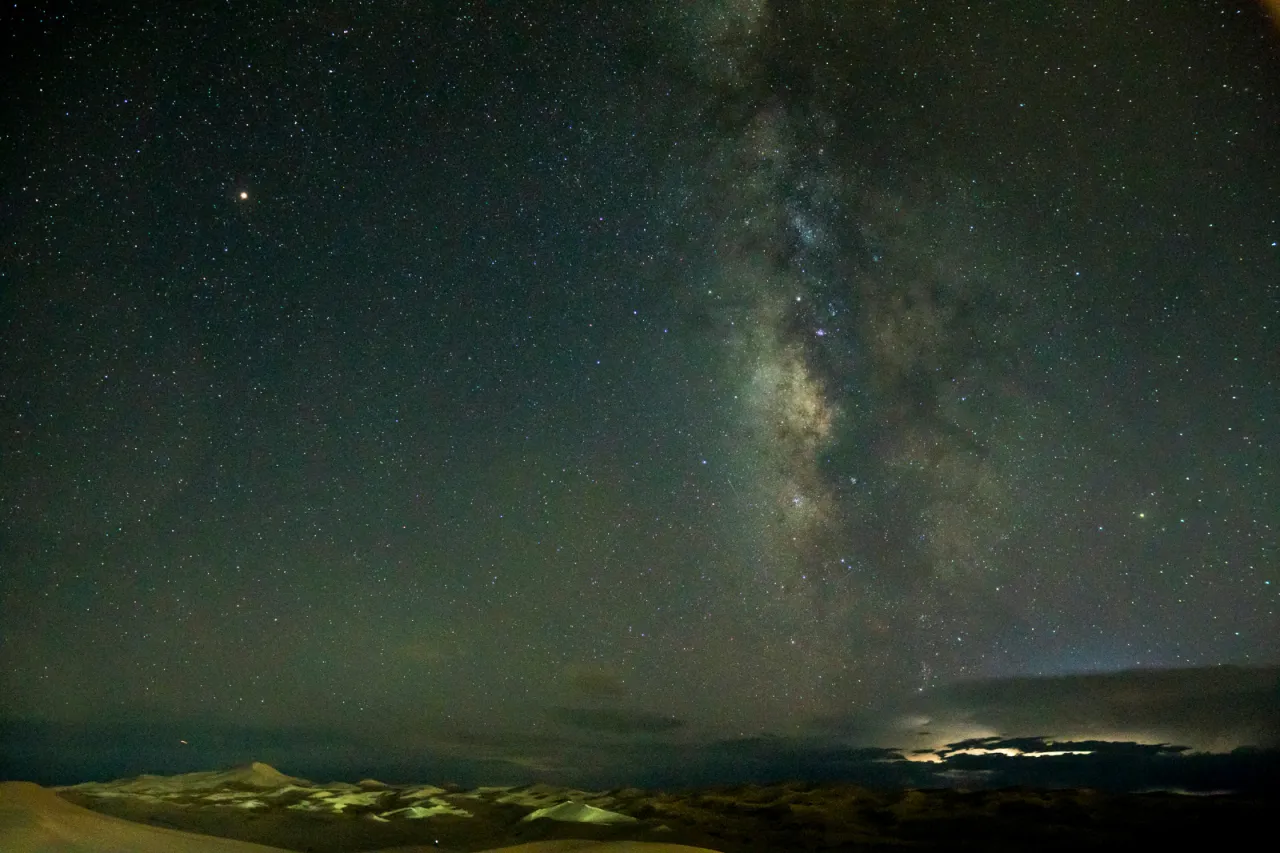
{"x": 36, "y": 820}
{"x": 575, "y": 845}
{"x": 255, "y": 808}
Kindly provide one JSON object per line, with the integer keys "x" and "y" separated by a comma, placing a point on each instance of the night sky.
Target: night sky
{"x": 501, "y": 378}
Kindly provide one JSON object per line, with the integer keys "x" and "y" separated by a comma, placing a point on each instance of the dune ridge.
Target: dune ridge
{"x": 36, "y": 820}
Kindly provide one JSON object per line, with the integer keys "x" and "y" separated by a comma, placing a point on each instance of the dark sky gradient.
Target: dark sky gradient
{"x": 495, "y": 378}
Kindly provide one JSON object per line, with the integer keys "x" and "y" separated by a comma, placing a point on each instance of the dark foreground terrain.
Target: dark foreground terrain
{"x": 342, "y": 818}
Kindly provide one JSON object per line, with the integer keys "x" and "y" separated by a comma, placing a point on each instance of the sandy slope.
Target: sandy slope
{"x": 574, "y": 845}
{"x": 252, "y": 775}
{"x": 36, "y": 820}
{"x": 582, "y": 846}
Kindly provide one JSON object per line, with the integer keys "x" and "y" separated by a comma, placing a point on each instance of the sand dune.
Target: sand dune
{"x": 252, "y": 775}
{"x": 574, "y": 845}
{"x": 570, "y": 845}
{"x": 36, "y": 820}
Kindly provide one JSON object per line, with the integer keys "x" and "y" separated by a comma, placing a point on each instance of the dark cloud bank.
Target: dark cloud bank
{"x": 1196, "y": 730}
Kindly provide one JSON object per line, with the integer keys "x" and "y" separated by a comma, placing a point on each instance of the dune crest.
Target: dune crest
{"x": 36, "y": 820}
{"x": 255, "y": 774}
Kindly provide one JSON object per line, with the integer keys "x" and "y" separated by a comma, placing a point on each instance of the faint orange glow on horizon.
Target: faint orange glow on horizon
{"x": 1014, "y": 753}
{"x": 1273, "y": 9}
{"x": 1010, "y": 752}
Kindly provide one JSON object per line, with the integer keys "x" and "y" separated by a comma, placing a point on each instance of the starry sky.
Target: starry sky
{"x": 501, "y": 378}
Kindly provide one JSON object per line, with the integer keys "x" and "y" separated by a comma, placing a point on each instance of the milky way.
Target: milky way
{"x": 856, "y": 316}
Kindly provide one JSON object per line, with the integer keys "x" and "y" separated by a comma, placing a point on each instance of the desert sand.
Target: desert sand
{"x": 256, "y": 808}
{"x": 36, "y": 820}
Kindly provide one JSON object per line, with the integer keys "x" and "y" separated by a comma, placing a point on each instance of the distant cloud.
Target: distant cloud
{"x": 424, "y": 652}
{"x": 616, "y": 721}
{"x": 594, "y": 682}
{"x": 1201, "y": 729}
{"x": 1040, "y": 746}
{"x": 1212, "y": 709}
